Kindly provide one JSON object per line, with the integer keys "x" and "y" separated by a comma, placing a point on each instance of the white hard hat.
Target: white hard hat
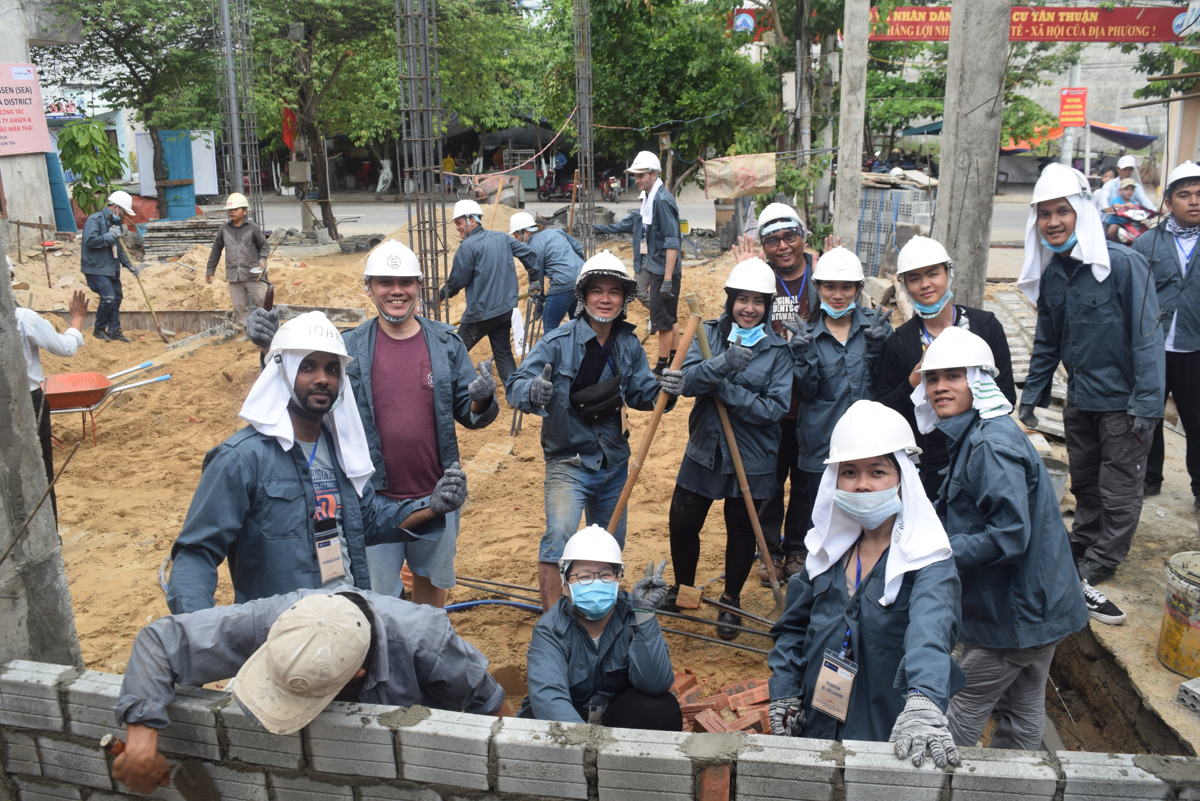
{"x": 121, "y": 198}
{"x": 1059, "y": 180}
{"x": 236, "y": 200}
{"x": 521, "y": 221}
{"x": 306, "y": 333}
{"x": 918, "y": 252}
{"x": 591, "y": 544}
{"x": 607, "y": 265}
{"x": 838, "y": 264}
{"x": 1126, "y": 161}
{"x": 464, "y": 208}
{"x": 311, "y": 652}
{"x": 392, "y": 259}
{"x": 868, "y": 428}
{"x": 1188, "y": 169}
{"x": 645, "y": 161}
{"x": 783, "y": 215}
{"x": 958, "y": 347}
{"x": 752, "y": 275}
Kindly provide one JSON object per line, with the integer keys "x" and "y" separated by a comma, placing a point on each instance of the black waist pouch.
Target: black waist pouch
{"x": 597, "y": 401}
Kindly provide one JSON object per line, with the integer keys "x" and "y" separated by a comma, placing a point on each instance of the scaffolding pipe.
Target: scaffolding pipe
{"x": 585, "y": 182}
{"x": 235, "y": 121}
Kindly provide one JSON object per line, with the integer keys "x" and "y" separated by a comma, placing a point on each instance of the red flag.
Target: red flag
{"x": 289, "y": 128}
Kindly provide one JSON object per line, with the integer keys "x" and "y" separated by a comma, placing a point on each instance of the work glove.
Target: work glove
{"x": 261, "y": 326}
{"x": 114, "y": 232}
{"x": 786, "y": 716}
{"x": 1143, "y": 425}
{"x": 482, "y": 387}
{"x": 667, "y": 290}
{"x": 1026, "y": 415}
{"x": 444, "y": 292}
{"x": 800, "y": 338}
{"x": 535, "y": 291}
{"x": 450, "y": 491}
{"x": 648, "y": 592}
{"x": 878, "y": 332}
{"x": 919, "y": 727}
{"x": 735, "y": 359}
{"x": 671, "y": 381}
{"x": 540, "y": 388}
{"x": 136, "y": 269}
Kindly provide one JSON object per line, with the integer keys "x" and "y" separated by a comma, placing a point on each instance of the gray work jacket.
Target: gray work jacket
{"x": 96, "y": 256}
{"x": 663, "y": 234}
{"x": 483, "y": 266}
{"x": 560, "y": 256}
{"x": 1178, "y": 294}
{"x": 244, "y": 246}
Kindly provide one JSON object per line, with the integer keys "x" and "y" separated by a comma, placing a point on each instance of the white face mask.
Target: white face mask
{"x": 869, "y": 509}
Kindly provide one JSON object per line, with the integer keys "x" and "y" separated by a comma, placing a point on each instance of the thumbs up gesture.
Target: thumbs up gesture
{"x": 483, "y": 387}
{"x": 735, "y": 358}
{"x": 540, "y": 388}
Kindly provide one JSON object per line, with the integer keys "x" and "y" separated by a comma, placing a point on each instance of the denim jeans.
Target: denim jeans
{"x": 108, "y": 313}
{"x": 572, "y": 490}
{"x": 557, "y": 306}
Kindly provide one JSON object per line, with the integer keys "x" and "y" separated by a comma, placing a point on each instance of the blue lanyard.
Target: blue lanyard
{"x": 927, "y": 338}
{"x": 857, "y": 584}
{"x": 803, "y": 284}
{"x": 313, "y": 455}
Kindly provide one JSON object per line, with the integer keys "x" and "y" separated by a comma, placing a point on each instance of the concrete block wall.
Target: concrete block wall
{"x": 52, "y": 716}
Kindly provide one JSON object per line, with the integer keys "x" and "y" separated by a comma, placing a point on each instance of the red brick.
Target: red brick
{"x": 683, "y": 682}
{"x": 687, "y": 597}
{"x": 710, "y": 721}
{"x": 752, "y": 721}
{"x": 693, "y": 696}
{"x": 751, "y": 697}
{"x": 743, "y": 686}
{"x": 714, "y": 783}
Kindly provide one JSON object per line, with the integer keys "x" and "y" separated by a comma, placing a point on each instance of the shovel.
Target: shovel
{"x": 736, "y": 457}
{"x": 189, "y": 778}
{"x": 162, "y": 332}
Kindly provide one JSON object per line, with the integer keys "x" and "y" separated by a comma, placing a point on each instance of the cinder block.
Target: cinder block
{"x": 90, "y": 700}
{"x": 535, "y": 758}
{"x": 348, "y": 739}
{"x": 786, "y": 767}
{"x": 388, "y": 792}
{"x": 445, "y": 767}
{"x": 29, "y": 694}
{"x": 1007, "y": 772}
{"x": 236, "y": 785}
{"x": 644, "y": 766}
{"x": 1091, "y": 776}
{"x": 300, "y": 788}
{"x": 447, "y": 748}
{"x": 34, "y": 790}
{"x": 21, "y": 754}
{"x": 872, "y": 773}
{"x": 193, "y": 729}
{"x": 74, "y": 763}
{"x": 251, "y": 743}
{"x": 985, "y": 795}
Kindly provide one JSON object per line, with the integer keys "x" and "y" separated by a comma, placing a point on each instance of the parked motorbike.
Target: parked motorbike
{"x": 1134, "y": 221}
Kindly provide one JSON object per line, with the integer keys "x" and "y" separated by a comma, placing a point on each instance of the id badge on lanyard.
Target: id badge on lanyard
{"x": 329, "y": 550}
{"x": 835, "y": 679}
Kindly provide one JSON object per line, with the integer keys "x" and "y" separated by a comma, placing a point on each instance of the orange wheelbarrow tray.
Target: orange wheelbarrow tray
{"x": 86, "y": 392}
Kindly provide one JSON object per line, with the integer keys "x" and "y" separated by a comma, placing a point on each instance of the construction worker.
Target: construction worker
{"x": 1171, "y": 251}
{"x": 246, "y": 252}
{"x": 1019, "y": 593}
{"x": 1098, "y": 315}
{"x": 579, "y": 378}
{"x": 782, "y": 236}
{"x": 863, "y": 648}
{"x": 598, "y": 656}
{"x": 750, "y": 371}
{"x": 836, "y": 355}
{"x": 292, "y": 655}
{"x": 927, "y": 275}
{"x": 101, "y": 259}
{"x": 483, "y": 266}
{"x": 560, "y": 256}
{"x": 288, "y": 499}
{"x": 656, "y": 247}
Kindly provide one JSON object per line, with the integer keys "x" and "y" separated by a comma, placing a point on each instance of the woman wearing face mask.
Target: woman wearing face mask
{"x": 751, "y": 373}
{"x": 926, "y": 272}
{"x": 598, "y": 655}
{"x": 862, "y": 651}
{"x": 835, "y": 357}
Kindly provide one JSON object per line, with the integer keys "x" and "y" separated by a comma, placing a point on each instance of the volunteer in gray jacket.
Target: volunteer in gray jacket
{"x": 246, "y": 253}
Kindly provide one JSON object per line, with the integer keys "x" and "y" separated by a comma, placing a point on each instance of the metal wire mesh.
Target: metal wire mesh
{"x": 238, "y": 152}
{"x": 586, "y": 182}
{"x": 423, "y": 125}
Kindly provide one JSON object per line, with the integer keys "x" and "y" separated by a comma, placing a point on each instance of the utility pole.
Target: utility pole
{"x": 803, "y": 98}
{"x": 971, "y": 139}
{"x": 852, "y": 114}
{"x": 36, "y": 621}
{"x": 583, "y": 98}
{"x": 829, "y": 66}
{"x": 1068, "y": 140}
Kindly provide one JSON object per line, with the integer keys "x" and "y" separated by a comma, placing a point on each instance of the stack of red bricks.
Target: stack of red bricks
{"x": 738, "y": 707}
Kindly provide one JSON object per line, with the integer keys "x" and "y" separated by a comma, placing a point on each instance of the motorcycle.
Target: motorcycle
{"x": 610, "y": 187}
{"x": 1134, "y": 221}
{"x": 549, "y": 189}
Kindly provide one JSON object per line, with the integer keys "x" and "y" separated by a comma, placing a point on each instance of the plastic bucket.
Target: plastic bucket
{"x": 684, "y": 228}
{"x": 1179, "y": 637}
{"x": 1057, "y": 471}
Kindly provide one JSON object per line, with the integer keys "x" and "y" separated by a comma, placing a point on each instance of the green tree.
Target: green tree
{"x": 87, "y": 152}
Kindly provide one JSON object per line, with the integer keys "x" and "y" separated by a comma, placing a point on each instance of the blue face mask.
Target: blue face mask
{"x": 749, "y": 336}
{"x": 1065, "y": 247}
{"x": 869, "y": 509}
{"x": 594, "y": 600}
{"x": 837, "y": 314}
{"x": 933, "y": 309}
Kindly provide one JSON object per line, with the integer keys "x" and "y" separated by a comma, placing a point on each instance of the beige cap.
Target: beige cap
{"x": 311, "y": 652}
{"x": 1128, "y": 182}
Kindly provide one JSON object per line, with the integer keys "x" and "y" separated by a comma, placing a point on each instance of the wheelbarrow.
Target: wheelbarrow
{"x": 87, "y": 392}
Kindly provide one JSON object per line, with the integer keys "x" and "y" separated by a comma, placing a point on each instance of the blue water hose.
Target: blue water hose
{"x": 459, "y": 607}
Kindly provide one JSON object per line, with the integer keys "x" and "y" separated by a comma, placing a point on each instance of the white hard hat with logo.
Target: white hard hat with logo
{"x": 392, "y": 259}
{"x": 752, "y": 275}
{"x": 1059, "y": 180}
{"x": 779, "y": 217}
{"x": 521, "y": 221}
{"x": 921, "y": 251}
{"x": 236, "y": 200}
{"x": 1188, "y": 169}
{"x": 645, "y": 161}
{"x": 466, "y": 208}
{"x": 121, "y": 198}
{"x": 838, "y": 264}
{"x": 591, "y": 544}
{"x": 958, "y": 347}
{"x": 867, "y": 429}
{"x": 306, "y": 333}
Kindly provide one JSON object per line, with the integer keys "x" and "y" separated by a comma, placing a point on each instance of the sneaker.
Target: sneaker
{"x": 117, "y": 336}
{"x": 764, "y": 579}
{"x": 1100, "y": 608}
{"x": 1093, "y": 572}
{"x": 99, "y": 334}
{"x": 1151, "y": 488}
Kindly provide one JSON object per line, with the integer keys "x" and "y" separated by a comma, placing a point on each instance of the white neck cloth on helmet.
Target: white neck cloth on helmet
{"x": 648, "y": 203}
{"x": 918, "y": 538}
{"x": 986, "y": 398}
{"x": 266, "y": 408}
{"x": 1090, "y": 247}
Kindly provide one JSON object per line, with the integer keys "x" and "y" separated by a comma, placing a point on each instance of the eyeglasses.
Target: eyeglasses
{"x": 786, "y": 238}
{"x": 586, "y": 577}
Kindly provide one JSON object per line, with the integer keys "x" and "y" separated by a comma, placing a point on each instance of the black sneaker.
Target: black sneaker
{"x": 1100, "y": 608}
{"x": 725, "y": 619}
{"x": 99, "y": 334}
{"x": 1093, "y": 572}
{"x": 1151, "y": 488}
{"x": 117, "y": 336}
